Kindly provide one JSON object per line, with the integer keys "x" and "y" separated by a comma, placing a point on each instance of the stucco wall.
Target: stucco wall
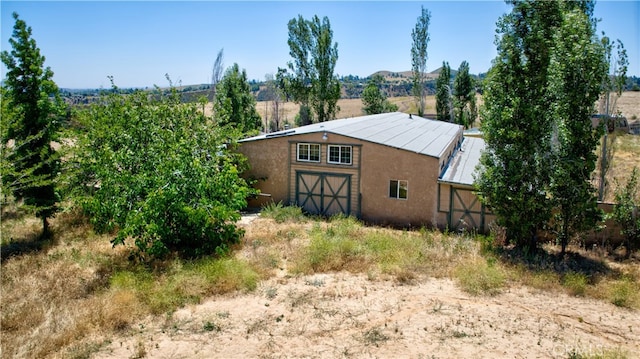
{"x": 268, "y": 161}
{"x": 380, "y": 165}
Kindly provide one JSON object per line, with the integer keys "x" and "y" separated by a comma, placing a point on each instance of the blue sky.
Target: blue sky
{"x": 138, "y": 42}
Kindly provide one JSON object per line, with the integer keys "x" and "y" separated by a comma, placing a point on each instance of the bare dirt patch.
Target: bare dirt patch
{"x": 344, "y": 315}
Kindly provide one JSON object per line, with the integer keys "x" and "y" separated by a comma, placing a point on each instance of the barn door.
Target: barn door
{"x": 465, "y": 210}
{"x": 323, "y": 193}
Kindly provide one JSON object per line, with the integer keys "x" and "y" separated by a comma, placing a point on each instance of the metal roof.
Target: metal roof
{"x": 396, "y": 129}
{"x": 464, "y": 162}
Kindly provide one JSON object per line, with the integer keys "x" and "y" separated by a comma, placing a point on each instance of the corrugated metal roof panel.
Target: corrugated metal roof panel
{"x": 396, "y": 129}
{"x": 463, "y": 165}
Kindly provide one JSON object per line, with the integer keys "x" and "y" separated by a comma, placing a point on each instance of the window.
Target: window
{"x": 309, "y": 152}
{"x": 398, "y": 189}
{"x": 339, "y": 154}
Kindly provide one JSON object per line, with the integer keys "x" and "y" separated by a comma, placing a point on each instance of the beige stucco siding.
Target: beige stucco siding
{"x": 268, "y": 162}
{"x": 380, "y": 165}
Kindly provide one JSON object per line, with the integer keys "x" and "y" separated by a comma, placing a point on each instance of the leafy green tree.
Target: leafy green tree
{"x": 575, "y": 72}
{"x": 420, "y": 37}
{"x": 374, "y": 100}
{"x": 444, "y": 110}
{"x": 158, "y": 172}
{"x": 514, "y": 171}
{"x": 625, "y": 212}
{"x": 464, "y": 94}
{"x": 312, "y": 82}
{"x": 234, "y": 104}
{"x": 31, "y": 116}
{"x": 539, "y": 97}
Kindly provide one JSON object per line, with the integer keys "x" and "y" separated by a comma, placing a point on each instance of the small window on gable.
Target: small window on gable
{"x": 398, "y": 189}
{"x": 339, "y": 154}
{"x": 309, "y": 152}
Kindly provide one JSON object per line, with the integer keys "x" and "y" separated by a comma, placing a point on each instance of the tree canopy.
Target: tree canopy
{"x": 234, "y": 103}
{"x": 159, "y": 172}
{"x": 374, "y": 100}
{"x": 464, "y": 97}
{"x": 31, "y": 116}
{"x": 444, "y": 107}
{"x": 312, "y": 82}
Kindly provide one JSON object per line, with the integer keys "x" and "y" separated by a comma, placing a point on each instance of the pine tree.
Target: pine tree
{"x": 31, "y": 117}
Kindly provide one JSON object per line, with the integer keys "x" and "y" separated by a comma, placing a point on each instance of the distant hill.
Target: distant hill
{"x": 407, "y": 75}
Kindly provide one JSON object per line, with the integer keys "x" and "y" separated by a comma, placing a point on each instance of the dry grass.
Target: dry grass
{"x": 628, "y": 104}
{"x": 66, "y": 297}
{"x": 626, "y": 149}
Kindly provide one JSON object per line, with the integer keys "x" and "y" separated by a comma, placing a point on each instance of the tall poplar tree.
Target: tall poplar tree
{"x": 539, "y": 98}
{"x": 420, "y": 38}
{"x": 515, "y": 168}
{"x": 464, "y": 97}
{"x": 444, "y": 110}
{"x": 31, "y": 118}
{"x": 312, "y": 82}
{"x": 575, "y": 72}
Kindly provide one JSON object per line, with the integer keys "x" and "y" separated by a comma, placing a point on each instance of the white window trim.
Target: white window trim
{"x": 397, "y": 196}
{"x": 308, "y": 153}
{"x": 340, "y": 147}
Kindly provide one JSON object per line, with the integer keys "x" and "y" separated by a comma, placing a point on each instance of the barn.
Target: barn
{"x": 390, "y": 168}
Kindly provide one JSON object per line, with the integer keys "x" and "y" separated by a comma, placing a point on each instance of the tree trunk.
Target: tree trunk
{"x": 45, "y": 228}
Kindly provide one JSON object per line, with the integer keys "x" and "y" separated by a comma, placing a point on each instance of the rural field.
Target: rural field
{"x": 628, "y": 105}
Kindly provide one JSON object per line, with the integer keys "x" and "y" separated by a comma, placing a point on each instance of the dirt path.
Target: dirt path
{"x": 342, "y": 315}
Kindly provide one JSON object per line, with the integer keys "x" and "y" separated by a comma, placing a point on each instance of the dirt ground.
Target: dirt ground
{"x": 343, "y": 315}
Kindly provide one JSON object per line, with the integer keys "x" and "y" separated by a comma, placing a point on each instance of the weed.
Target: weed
{"x": 601, "y": 354}
{"x": 209, "y": 326}
{"x": 375, "y": 336}
{"x": 271, "y": 292}
{"x": 624, "y": 293}
{"x": 459, "y": 334}
{"x": 437, "y": 306}
{"x": 575, "y": 283}
{"x": 477, "y": 277}
{"x": 223, "y": 315}
{"x": 281, "y": 213}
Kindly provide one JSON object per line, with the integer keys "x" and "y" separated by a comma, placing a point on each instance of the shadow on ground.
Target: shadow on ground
{"x": 542, "y": 260}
